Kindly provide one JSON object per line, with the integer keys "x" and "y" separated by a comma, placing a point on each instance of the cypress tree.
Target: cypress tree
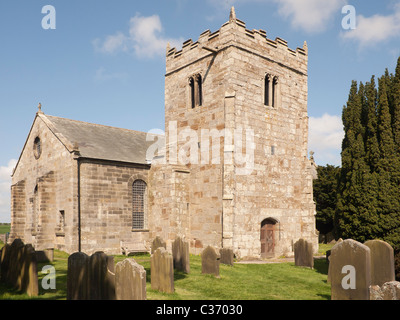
{"x": 351, "y": 197}
{"x": 371, "y": 138}
{"x": 396, "y": 107}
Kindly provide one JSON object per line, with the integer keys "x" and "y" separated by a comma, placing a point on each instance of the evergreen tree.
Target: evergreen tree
{"x": 371, "y": 123}
{"x": 350, "y": 216}
{"x": 368, "y": 205}
{"x": 325, "y": 193}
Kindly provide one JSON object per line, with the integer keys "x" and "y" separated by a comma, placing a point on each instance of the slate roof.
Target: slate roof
{"x": 101, "y": 142}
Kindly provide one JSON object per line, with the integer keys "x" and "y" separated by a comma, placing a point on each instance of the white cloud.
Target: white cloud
{"x": 102, "y": 75}
{"x": 375, "y": 29}
{"x": 111, "y": 44}
{"x": 5, "y": 190}
{"x": 144, "y": 38}
{"x": 312, "y": 16}
{"x": 325, "y": 138}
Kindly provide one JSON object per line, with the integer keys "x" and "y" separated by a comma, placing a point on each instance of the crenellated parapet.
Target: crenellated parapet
{"x": 235, "y": 33}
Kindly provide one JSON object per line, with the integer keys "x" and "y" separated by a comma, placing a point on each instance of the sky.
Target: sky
{"x": 104, "y": 61}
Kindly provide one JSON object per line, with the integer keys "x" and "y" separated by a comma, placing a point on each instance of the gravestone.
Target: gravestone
{"x": 350, "y": 271}
{"x": 101, "y": 277}
{"x": 210, "y": 261}
{"x": 158, "y": 242}
{"x": 130, "y": 280}
{"x": 4, "y": 262}
{"x": 46, "y": 255}
{"x": 162, "y": 271}
{"x": 388, "y": 291}
{"x": 226, "y": 256}
{"x": 16, "y": 256}
{"x": 78, "y": 276}
{"x": 28, "y": 277}
{"x": 180, "y": 253}
{"x": 303, "y": 254}
{"x": 382, "y": 262}
{"x": 19, "y": 267}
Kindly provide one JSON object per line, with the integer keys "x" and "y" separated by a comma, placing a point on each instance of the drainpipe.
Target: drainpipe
{"x": 76, "y": 153}
{"x": 79, "y": 204}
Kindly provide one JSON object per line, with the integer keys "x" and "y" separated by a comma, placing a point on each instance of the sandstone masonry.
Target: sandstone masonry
{"x": 231, "y": 171}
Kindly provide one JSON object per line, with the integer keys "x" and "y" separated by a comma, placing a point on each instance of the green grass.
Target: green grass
{"x": 4, "y": 228}
{"x": 283, "y": 281}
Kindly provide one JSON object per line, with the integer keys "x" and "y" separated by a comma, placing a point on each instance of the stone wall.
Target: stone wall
{"x": 229, "y": 201}
{"x": 53, "y": 175}
{"x": 106, "y": 205}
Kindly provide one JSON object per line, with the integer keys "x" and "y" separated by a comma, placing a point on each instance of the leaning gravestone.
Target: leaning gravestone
{"x": 4, "y": 262}
{"x": 303, "y": 254}
{"x": 16, "y": 257}
{"x": 382, "y": 262}
{"x": 101, "y": 277}
{"x": 158, "y": 242}
{"x": 180, "y": 253}
{"x": 350, "y": 271}
{"x": 28, "y": 277}
{"x": 226, "y": 256}
{"x": 210, "y": 261}
{"x": 78, "y": 276}
{"x": 130, "y": 280}
{"x": 162, "y": 271}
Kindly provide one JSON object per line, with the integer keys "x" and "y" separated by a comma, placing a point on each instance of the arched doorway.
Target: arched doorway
{"x": 267, "y": 238}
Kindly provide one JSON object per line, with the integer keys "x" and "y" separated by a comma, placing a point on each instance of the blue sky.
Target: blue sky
{"x": 105, "y": 61}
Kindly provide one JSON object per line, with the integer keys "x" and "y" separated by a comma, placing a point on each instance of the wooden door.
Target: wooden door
{"x": 267, "y": 239}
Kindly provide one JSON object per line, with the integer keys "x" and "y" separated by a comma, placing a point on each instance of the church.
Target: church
{"x": 231, "y": 171}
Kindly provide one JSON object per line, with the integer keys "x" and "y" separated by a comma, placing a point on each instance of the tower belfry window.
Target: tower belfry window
{"x": 196, "y": 90}
{"x": 271, "y": 90}
{"x": 275, "y": 91}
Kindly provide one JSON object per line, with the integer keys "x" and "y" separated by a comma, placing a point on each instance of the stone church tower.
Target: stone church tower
{"x": 231, "y": 171}
{"x": 236, "y": 144}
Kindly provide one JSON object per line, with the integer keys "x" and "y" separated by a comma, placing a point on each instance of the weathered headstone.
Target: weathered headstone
{"x": 78, "y": 276}
{"x": 46, "y": 255}
{"x": 382, "y": 262}
{"x": 226, "y": 256}
{"x": 180, "y": 253}
{"x": 303, "y": 254}
{"x": 158, "y": 242}
{"x": 388, "y": 291}
{"x": 101, "y": 277}
{"x": 19, "y": 267}
{"x": 28, "y": 278}
{"x": 16, "y": 256}
{"x": 210, "y": 261}
{"x": 162, "y": 271}
{"x": 130, "y": 280}
{"x": 350, "y": 271}
{"x": 4, "y": 262}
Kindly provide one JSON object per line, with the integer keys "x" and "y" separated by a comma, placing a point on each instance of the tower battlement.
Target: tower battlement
{"x": 235, "y": 33}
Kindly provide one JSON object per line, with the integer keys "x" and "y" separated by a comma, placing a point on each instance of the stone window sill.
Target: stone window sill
{"x": 140, "y": 230}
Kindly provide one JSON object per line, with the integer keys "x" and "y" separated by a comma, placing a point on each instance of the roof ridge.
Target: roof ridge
{"x": 101, "y": 125}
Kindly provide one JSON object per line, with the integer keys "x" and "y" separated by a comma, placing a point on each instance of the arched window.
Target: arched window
{"x": 271, "y": 91}
{"x": 37, "y": 148}
{"x": 275, "y": 92}
{"x": 196, "y": 90}
{"x": 139, "y": 204}
{"x": 35, "y": 211}
{"x": 199, "y": 93}
{"x": 267, "y": 90}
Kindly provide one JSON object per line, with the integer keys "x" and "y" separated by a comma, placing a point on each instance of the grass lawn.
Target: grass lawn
{"x": 4, "y": 228}
{"x": 283, "y": 281}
